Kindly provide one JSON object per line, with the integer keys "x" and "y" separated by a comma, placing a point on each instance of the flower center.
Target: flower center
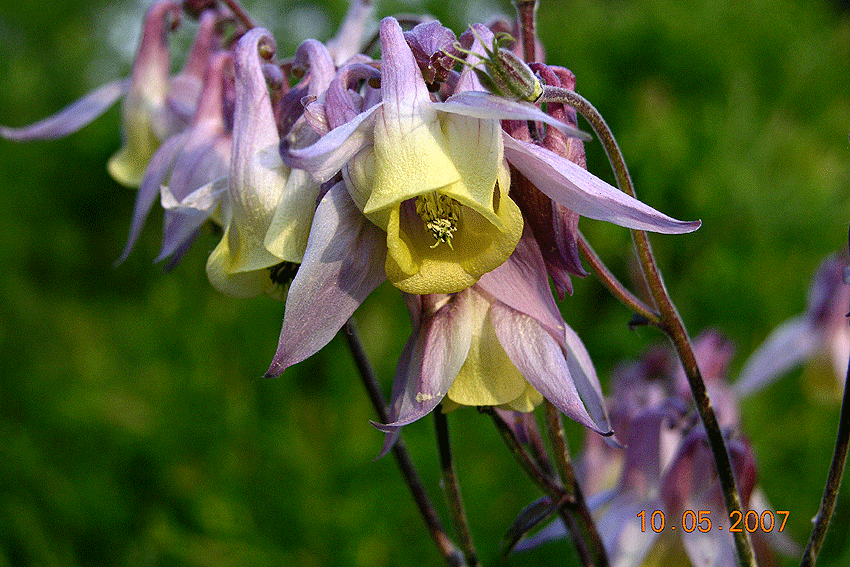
{"x": 440, "y": 214}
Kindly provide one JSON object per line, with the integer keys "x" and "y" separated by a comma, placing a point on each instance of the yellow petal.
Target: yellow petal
{"x": 287, "y": 235}
{"x": 526, "y": 403}
{"x": 128, "y": 165}
{"x": 477, "y": 152}
{"x": 243, "y": 284}
{"x": 488, "y": 377}
{"x": 409, "y": 161}
{"x": 478, "y": 247}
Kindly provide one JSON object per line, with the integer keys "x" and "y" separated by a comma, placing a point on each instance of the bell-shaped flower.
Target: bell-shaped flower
{"x": 666, "y": 472}
{"x": 501, "y": 342}
{"x": 270, "y": 208}
{"x": 820, "y": 335}
{"x": 189, "y": 170}
{"x": 432, "y": 175}
{"x": 155, "y": 106}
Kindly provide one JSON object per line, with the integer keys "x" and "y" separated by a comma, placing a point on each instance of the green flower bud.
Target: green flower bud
{"x": 504, "y": 73}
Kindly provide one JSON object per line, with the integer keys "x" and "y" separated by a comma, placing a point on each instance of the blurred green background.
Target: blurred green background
{"x": 135, "y": 427}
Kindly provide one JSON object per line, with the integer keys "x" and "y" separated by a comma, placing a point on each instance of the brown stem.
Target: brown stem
{"x": 833, "y": 480}
{"x": 555, "y": 492}
{"x": 448, "y": 549}
{"x": 616, "y": 288}
{"x": 451, "y": 487}
{"x": 527, "y": 12}
{"x": 671, "y": 323}
{"x": 581, "y": 512}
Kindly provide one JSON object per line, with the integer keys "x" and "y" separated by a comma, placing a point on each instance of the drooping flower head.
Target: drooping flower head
{"x": 502, "y": 343}
{"x": 269, "y": 208}
{"x": 821, "y": 336}
{"x": 432, "y": 178}
{"x": 156, "y": 105}
{"x": 666, "y": 465}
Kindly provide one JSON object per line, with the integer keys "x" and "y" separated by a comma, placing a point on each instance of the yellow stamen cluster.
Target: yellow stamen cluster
{"x": 440, "y": 214}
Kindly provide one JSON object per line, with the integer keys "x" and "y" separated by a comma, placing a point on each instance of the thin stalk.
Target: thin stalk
{"x": 555, "y": 428}
{"x": 614, "y": 285}
{"x": 527, "y": 12}
{"x": 448, "y": 549}
{"x": 833, "y": 479}
{"x": 242, "y": 14}
{"x": 451, "y": 487}
{"x": 671, "y": 323}
{"x": 556, "y": 493}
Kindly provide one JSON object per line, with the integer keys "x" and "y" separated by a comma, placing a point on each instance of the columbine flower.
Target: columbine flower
{"x": 186, "y": 167}
{"x": 432, "y": 175}
{"x": 821, "y": 335}
{"x": 339, "y": 270}
{"x": 155, "y": 106}
{"x": 667, "y": 466}
{"x": 269, "y": 207}
{"x": 501, "y": 342}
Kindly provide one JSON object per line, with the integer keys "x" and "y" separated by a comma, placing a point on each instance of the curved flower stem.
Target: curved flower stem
{"x": 616, "y": 288}
{"x": 527, "y": 12}
{"x": 671, "y": 323}
{"x": 448, "y": 549}
{"x": 241, "y": 13}
{"x": 833, "y": 480}
{"x": 452, "y": 489}
{"x": 555, "y": 427}
{"x": 563, "y": 499}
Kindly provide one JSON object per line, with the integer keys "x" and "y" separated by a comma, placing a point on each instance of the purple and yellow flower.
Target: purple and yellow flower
{"x": 666, "y": 469}
{"x": 434, "y": 176}
{"x": 501, "y": 342}
{"x": 156, "y": 105}
{"x": 821, "y": 336}
{"x": 269, "y": 207}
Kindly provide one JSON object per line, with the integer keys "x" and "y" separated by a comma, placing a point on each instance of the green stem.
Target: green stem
{"x": 448, "y": 549}
{"x": 671, "y": 323}
{"x": 451, "y": 487}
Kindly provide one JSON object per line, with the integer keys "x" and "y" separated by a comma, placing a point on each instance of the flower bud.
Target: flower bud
{"x": 504, "y": 73}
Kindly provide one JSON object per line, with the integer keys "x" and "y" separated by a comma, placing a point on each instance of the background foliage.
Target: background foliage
{"x": 134, "y": 426}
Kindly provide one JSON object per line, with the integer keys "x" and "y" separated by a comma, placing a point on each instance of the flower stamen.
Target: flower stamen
{"x": 440, "y": 214}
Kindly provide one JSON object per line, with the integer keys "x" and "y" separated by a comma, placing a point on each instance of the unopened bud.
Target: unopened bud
{"x": 504, "y": 73}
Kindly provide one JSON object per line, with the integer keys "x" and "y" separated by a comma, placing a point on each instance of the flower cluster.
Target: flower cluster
{"x": 664, "y": 465}
{"x": 331, "y": 172}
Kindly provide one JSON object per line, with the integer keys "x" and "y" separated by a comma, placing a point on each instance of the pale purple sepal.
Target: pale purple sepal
{"x": 521, "y": 283}
{"x": 787, "y": 346}
{"x": 486, "y": 106}
{"x": 539, "y": 358}
{"x": 155, "y": 176}
{"x": 184, "y": 218}
{"x": 579, "y": 190}
{"x": 348, "y": 40}
{"x": 71, "y": 118}
{"x": 586, "y": 381}
{"x": 438, "y": 350}
{"x": 343, "y": 263}
{"x": 327, "y": 156}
